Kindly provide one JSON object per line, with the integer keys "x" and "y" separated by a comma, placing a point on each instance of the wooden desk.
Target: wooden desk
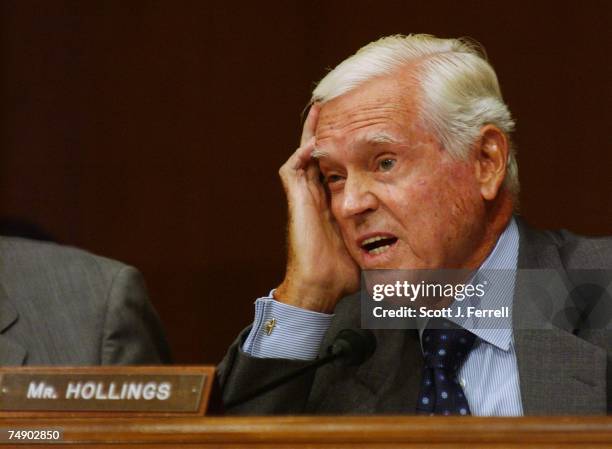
{"x": 325, "y": 432}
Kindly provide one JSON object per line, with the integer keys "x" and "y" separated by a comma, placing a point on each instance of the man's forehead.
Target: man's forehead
{"x": 348, "y": 116}
{"x": 381, "y": 102}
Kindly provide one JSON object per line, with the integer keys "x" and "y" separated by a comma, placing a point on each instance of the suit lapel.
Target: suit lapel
{"x": 393, "y": 374}
{"x": 559, "y": 372}
{"x": 386, "y": 383}
{"x": 11, "y": 353}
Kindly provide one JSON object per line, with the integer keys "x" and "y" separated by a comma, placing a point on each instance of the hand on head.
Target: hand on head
{"x": 319, "y": 268}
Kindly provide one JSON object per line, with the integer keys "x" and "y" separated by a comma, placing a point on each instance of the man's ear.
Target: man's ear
{"x": 491, "y": 159}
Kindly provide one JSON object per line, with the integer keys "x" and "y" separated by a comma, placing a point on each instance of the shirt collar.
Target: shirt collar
{"x": 501, "y": 262}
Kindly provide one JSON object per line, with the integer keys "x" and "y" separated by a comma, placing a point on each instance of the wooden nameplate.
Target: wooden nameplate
{"x": 106, "y": 391}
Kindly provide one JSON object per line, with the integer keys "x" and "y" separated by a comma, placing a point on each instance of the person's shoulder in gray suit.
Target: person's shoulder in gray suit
{"x": 543, "y": 248}
{"x": 64, "y": 306}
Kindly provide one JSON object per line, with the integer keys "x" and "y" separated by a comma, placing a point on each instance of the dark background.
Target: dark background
{"x": 152, "y": 131}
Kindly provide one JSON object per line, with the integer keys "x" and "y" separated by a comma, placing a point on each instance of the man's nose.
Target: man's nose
{"x": 358, "y": 197}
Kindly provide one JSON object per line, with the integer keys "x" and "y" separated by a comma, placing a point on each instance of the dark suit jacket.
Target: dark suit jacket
{"x": 64, "y": 306}
{"x": 564, "y": 369}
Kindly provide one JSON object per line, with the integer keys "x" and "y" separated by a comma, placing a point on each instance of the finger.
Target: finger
{"x": 313, "y": 177}
{"x": 312, "y": 172}
{"x": 302, "y": 156}
{"x": 311, "y": 123}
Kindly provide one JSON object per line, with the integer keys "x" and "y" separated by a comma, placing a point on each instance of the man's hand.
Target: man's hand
{"x": 319, "y": 268}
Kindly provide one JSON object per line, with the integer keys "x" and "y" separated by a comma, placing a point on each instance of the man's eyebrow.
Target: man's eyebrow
{"x": 318, "y": 154}
{"x": 377, "y": 138}
{"x": 381, "y": 137}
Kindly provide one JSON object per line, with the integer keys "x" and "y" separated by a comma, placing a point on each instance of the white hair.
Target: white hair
{"x": 459, "y": 88}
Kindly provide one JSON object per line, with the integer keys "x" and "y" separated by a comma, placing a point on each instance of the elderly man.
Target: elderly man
{"x": 406, "y": 163}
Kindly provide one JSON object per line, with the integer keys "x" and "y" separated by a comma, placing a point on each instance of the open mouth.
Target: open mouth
{"x": 378, "y": 244}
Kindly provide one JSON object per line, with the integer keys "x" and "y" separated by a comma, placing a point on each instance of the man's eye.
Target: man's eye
{"x": 330, "y": 179}
{"x": 386, "y": 164}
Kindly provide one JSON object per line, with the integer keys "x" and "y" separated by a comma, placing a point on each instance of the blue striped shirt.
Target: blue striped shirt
{"x": 489, "y": 375}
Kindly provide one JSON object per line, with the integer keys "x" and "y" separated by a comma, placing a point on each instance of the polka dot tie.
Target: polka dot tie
{"x": 445, "y": 347}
